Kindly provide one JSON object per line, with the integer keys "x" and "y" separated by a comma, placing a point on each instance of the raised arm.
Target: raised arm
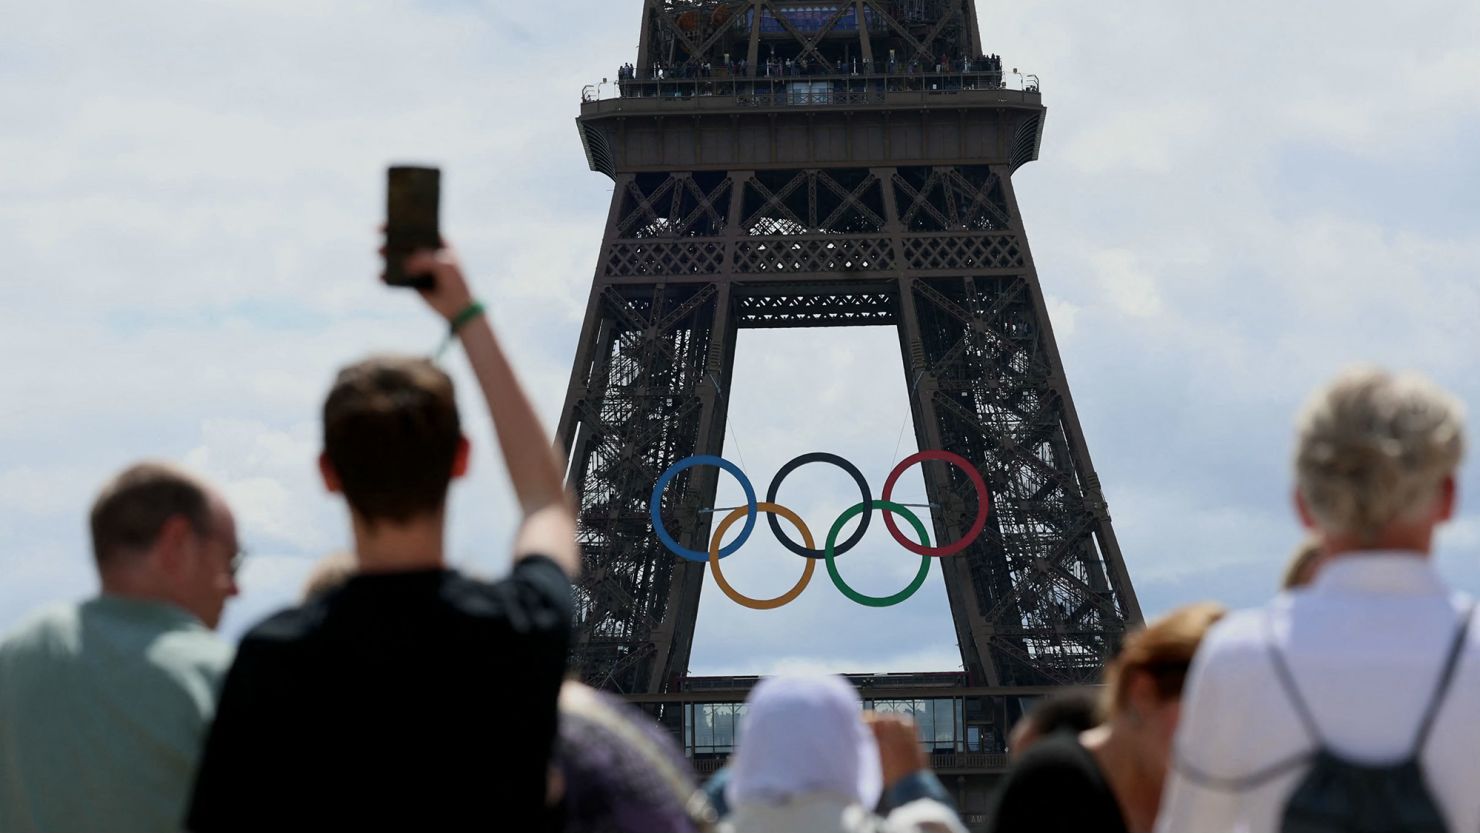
{"x": 549, "y": 525}
{"x": 916, "y": 800}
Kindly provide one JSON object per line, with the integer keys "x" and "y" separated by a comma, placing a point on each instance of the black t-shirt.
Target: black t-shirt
{"x": 1057, "y": 786}
{"x": 421, "y": 700}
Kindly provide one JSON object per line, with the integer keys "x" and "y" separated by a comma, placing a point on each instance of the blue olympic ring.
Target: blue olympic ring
{"x": 687, "y": 463}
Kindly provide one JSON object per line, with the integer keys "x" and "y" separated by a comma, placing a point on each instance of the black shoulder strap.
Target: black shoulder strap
{"x": 1451, "y": 663}
{"x": 1287, "y": 682}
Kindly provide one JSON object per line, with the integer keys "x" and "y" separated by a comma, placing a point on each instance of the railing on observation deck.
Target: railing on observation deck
{"x": 995, "y": 761}
{"x": 939, "y": 762}
{"x": 809, "y": 90}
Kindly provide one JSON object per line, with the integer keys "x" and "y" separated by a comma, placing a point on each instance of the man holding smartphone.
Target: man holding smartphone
{"x": 412, "y": 696}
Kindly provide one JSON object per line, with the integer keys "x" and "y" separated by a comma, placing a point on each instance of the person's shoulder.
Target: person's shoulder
{"x": 534, "y": 580}
{"x": 196, "y": 650}
{"x": 1466, "y": 605}
{"x": 1056, "y": 758}
{"x": 923, "y": 815}
{"x": 57, "y": 625}
{"x": 193, "y": 661}
{"x": 288, "y": 626}
{"x": 1241, "y": 636}
{"x": 1049, "y": 788}
{"x": 536, "y": 567}
{"x": 52, "y": 618}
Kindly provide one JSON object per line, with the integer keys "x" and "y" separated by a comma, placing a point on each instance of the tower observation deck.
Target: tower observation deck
{"x": 823, "y": 164}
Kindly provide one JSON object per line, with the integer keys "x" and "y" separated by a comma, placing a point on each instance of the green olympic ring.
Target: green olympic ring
{"x": 832, "y": 567}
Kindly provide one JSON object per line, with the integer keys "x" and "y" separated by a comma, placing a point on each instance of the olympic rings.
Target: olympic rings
{"x": 719, "y": 577}
{"x": 832, "y": 566}
{"x": 798, "y": 462}
{"x": 687, "y": 463}
{"x": 981, "y": 503}
{"x": 831, "y": 548}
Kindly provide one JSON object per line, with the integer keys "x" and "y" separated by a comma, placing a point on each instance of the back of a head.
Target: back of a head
{"x": 1162, "y": 651}
{"x": 1374, "y": 449}
{"x": 804, "y": 734}
{"x": 391, "y": 433}
{"x": 1072, "y": 710}
{"x": 622, "y": 773}
{"x": 131, "y": 509}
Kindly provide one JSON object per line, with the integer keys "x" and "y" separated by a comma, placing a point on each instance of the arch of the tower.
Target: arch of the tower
{"x": 934, "y": 251}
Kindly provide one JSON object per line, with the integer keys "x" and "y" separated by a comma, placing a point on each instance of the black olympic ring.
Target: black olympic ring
{"x": 819, "y": 457}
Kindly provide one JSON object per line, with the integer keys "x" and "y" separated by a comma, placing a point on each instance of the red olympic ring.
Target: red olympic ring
{"x": 981, "y": 503}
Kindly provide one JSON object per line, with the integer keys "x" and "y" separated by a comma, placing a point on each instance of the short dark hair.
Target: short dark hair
{"x": 1070, "y": 709}
{"x": 391, "y": 432}
{"x": 132, "y": 508}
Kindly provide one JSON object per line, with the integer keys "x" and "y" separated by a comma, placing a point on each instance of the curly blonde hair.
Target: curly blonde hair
{"x": 1373, "y": 448}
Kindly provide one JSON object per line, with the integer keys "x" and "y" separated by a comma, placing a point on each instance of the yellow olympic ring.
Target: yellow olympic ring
{"x": 737, "y": 596}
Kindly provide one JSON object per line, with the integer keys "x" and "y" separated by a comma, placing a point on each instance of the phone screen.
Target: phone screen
{"x": 411, "y": 219}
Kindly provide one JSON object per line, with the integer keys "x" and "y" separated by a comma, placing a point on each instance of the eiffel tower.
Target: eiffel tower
{"x": 830, "y": 163}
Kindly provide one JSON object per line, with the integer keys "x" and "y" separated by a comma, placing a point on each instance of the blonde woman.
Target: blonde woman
{"x": 1369, "y": 675}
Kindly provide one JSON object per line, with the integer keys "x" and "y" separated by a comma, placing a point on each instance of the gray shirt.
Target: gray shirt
{"x": 104, "y": 707}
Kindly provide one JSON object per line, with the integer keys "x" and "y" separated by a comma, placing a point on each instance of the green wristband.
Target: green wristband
{"x": 460, "y": 320}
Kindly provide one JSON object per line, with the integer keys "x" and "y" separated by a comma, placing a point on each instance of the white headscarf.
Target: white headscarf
{"x": 804, "y": 734}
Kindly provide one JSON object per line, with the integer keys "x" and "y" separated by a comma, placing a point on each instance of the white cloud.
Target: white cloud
{"x": 1232, "y": 203}
{"x": 1129, "y": 288}
{"x": 52, "y": 492}
{"x": 1064, "y": 315}
{"x": 1152, "y": 138}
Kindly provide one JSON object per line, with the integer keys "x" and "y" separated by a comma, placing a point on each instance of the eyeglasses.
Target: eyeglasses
{"x": 237, "y": 559}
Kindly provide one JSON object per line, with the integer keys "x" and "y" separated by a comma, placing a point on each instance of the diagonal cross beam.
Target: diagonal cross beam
{"x": 899, "y": 29}
{"x": 980, "y": 197}
{"x": 644, "y": 203}
{"x": 920, "y": 199}
{"x": 776, "y": 200}
{"x": 669, "y": 20}
{"x": 809, "y": 46}
{"x": 719, "y": 32}
{"x": 706, "y": 203}
{"x": 851, "y": 199}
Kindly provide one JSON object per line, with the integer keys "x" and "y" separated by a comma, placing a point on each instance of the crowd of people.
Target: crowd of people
{"x": 777, "y": 67}
{"x": 403, "y": 693}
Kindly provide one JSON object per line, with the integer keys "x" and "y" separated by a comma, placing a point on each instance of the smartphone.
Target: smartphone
{"x": 412, "y": 195}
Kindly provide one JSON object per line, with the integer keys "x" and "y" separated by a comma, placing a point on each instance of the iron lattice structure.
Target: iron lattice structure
{"x": 830, "y": 199}
{"x": 829, "y": 35}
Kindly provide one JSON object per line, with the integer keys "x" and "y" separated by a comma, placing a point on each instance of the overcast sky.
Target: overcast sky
{"x": 1234, "y": 201}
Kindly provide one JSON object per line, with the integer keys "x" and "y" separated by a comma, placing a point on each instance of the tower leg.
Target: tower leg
{"x": 644, "y": 396}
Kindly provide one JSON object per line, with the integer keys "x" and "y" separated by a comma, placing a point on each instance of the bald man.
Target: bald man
{"x": 104, "y": 704}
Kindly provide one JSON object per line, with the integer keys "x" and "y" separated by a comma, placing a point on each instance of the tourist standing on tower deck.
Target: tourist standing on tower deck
{"x": 1372, "y": 664}
{"x": 806, "y": 761}
{"x": 104, "y": 704}
{"x": 411, "y": 697}
{"x": 1109, "y": 779}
